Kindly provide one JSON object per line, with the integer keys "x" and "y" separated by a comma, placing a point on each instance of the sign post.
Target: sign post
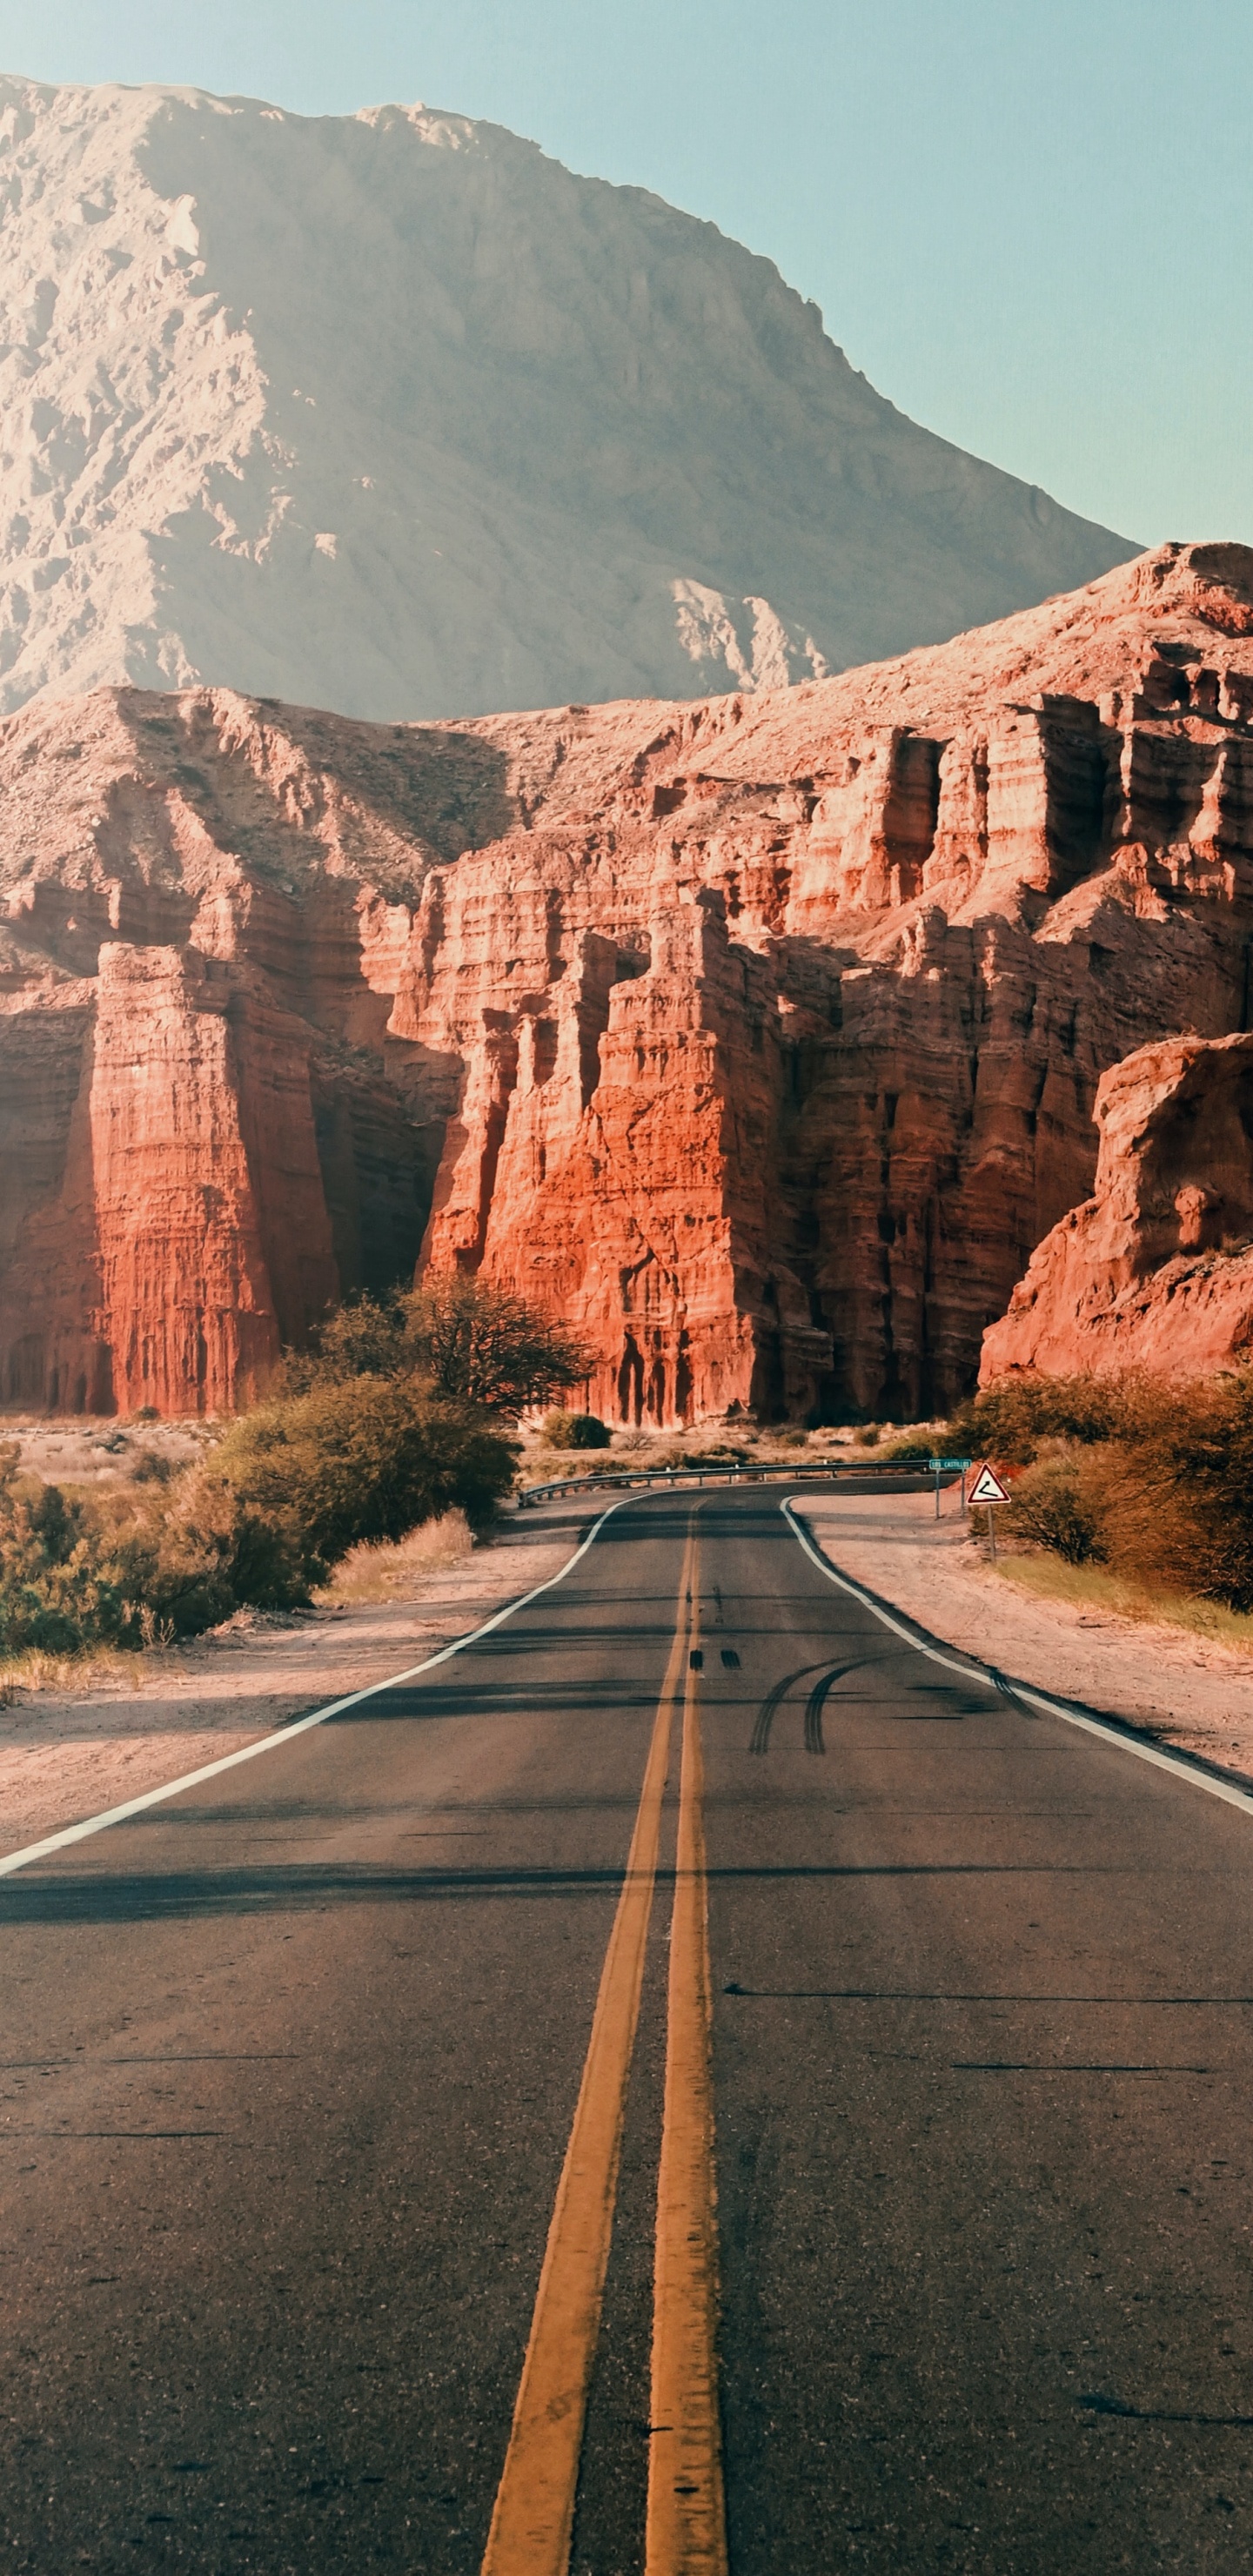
{"x": 987, "y": 1488}
{"x": 938, "y": 1466}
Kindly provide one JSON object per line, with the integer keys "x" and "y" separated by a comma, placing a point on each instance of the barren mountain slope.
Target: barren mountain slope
{"x": 393, "y": 414}
{"x": 758, "y": 1038}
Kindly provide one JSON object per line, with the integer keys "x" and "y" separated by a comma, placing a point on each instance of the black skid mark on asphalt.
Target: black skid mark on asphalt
{"x": 813, "y": 1713}
{"x": 99, "y": 1896}
{"x": 759, "y": 1741}
{"x": 1096, "y": 2404}
{"x": 831, "y": 1673}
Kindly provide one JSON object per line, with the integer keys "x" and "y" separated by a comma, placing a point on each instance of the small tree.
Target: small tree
{"x": 363, "y": 1339}
{"x": 470, "y": 1342}
{"x": 484, "y": 1346}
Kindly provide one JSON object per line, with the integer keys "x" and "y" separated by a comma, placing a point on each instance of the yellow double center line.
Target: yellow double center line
{"x": 534, "y": 2515}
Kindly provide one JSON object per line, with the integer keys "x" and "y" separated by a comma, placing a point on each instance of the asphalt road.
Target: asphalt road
{"x": 290, "y": 2065}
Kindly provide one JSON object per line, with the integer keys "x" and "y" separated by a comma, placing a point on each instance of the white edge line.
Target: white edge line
{"x": 11, "y": 1861}
{"x": 1109, "y": 1734}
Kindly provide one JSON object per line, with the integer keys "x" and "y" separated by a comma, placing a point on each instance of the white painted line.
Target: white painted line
{"x": 1108, "y": 1732}
{"x": 11, "y": 1861}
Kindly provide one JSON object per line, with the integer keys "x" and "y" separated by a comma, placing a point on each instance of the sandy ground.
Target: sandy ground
{"x": 1180, "y": 1688}
{"x": 94, "y": 1450}
{"x": 63, "y": 1758}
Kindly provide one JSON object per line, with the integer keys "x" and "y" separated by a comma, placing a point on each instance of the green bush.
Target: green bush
{"x": 289, "y": 1490}
{"x": 368, "y": 1459}
{"x": 57, "y": 1588}
{"x": 189, "y": 1553}
{"x": 575, "y": 1431}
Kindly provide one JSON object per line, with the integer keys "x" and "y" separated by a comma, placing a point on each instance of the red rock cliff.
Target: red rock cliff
{"x": 759, "y": 1038}
{"x": 1155, "y": 1270}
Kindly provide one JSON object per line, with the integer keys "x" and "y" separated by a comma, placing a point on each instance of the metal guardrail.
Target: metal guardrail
{"x": 810, "y": 1469}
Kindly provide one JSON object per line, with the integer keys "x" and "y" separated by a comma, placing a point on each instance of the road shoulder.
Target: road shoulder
{"x": 65, "y": 1755}
{"x": 1182, "y": 1690}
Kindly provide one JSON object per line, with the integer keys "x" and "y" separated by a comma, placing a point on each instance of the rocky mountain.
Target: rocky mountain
{"x": 393, "y": 414}
{"x": 1155, "y": 1270}
{"x": 759, "y": 1038}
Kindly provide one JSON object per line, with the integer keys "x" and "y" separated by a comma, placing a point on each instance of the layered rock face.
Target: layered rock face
{"x": 1155, "y": 1270}
{"x": 392, "y": 413}
{"x": 758, "y": 1038}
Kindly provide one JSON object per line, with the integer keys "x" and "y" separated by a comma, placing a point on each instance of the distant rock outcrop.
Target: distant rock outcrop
{"x": 390, "y": 413}
{"x": 758, "y": 1038}
{"x": 1155, "y": 1270}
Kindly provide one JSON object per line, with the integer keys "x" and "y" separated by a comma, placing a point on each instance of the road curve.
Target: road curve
{"x": 338, "y": 2091}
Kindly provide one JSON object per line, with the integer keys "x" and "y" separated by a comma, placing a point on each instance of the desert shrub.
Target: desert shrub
{"x": 189, "y": 1553}
{"x": 290, "y": 1489}
{"x": 367, "y": 1459}
{"x": 866, "y": 1436}
{"x": 151, "y": 1468}
{"x": 58, "y": 1588}
{"x": 1151, "y": 1478}
{"x": 1012, "y": 1418}
{"x": 362, "y": 1339}
{"x": 575, "y": 1431}
{"x": 473, "y": 1343}
{"x": 1186, "y": 1502}
{"x": 1056, "y": 1504}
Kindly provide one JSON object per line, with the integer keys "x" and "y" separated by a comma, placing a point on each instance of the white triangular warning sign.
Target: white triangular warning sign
{"x": 987, "y": 1487}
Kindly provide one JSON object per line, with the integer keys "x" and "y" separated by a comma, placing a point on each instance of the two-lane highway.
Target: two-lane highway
{"x": 687, "y": 2075}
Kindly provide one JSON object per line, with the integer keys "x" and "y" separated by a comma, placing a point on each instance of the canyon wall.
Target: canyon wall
{"x": 1155, "y": 1270}
{"x": 758, "y": 1038}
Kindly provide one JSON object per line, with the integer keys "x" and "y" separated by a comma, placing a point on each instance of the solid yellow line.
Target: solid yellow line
{"x": 686, "y": 2507}
{"x": 531, "y": 2525}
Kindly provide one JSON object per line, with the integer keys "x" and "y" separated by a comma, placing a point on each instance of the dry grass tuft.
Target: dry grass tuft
{"x": 1092, "y": 1587}
{"x": 386, "y": 1571}
{"x": 70, "y": 1676}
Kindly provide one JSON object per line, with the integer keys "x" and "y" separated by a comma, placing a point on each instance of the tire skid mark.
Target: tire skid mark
{"x": 770, "y": 1706}
{"x": 830, "y": 1674}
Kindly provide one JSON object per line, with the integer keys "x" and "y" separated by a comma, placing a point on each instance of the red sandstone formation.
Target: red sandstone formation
{"x": 758, "y": 1038}
{"x": 1155, "y": 1270}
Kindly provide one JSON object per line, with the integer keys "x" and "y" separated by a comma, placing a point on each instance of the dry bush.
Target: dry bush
{"x": 1053, "y": 1505}
{"x": 1017, "y": 1414}
{"x": 383, "y": 1570}
{"x": 1152, "y": 1479}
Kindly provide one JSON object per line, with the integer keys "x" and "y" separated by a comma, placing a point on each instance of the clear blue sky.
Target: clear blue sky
{"x": 1029, "y": 221}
